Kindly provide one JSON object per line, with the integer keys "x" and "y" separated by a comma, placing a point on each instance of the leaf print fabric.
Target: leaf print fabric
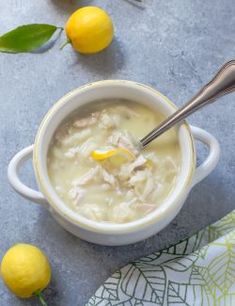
{"x": 196, "y": 271}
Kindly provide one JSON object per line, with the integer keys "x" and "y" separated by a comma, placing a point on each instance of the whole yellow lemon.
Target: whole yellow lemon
{"x": 25, "y": 270}
{"x": 89, "y": 29}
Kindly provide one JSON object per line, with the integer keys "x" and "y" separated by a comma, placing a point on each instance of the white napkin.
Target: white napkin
{"x": 196, "y": 271}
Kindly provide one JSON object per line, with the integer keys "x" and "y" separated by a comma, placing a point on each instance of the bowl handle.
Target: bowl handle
{"x": 212, "y": 159}
{"x": 14, "y": 179}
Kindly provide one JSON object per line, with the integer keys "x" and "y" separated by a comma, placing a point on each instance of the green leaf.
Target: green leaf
{"x": 26, "y": 38}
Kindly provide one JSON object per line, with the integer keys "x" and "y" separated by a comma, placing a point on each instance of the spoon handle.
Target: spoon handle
{"x": 222, "y": 84}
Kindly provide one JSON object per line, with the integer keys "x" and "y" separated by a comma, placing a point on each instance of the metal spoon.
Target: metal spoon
{"x": 222, "y": 84}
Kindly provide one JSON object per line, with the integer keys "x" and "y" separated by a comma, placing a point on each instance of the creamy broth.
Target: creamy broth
{"x": 103, "y": 190}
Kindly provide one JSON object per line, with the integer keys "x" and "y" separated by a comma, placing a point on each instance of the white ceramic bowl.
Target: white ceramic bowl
{"x": 112, "y": 234}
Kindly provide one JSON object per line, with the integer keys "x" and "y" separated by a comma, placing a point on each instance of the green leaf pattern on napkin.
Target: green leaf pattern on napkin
{"x": 196, "y": 271}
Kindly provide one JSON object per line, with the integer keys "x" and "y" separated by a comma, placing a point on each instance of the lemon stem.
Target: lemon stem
{"x": 64, "y": 44}
{"x": 41, "y": 298}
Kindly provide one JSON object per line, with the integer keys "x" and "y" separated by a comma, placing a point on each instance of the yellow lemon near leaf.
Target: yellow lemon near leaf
{"x": 89, "y": 30}
{"x": 25, "y": 270}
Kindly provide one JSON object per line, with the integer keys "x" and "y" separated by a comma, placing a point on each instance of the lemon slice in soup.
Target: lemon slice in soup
{"x": 123, "y": 155}
{"x": 117, "y": 155}
{"x": 103, "y": 153}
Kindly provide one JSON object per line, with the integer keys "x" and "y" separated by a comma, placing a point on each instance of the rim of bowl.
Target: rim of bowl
{"x": 101, "y": 227}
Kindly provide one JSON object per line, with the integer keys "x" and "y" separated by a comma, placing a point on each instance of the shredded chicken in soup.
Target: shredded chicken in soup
{"x": 97, "y": 169}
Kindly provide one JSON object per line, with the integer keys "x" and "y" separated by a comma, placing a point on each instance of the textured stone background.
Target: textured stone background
{"x": 174, "y": 46}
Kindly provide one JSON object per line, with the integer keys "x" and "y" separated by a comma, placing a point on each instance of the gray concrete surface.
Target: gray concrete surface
{"x": 175, "y": 46}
